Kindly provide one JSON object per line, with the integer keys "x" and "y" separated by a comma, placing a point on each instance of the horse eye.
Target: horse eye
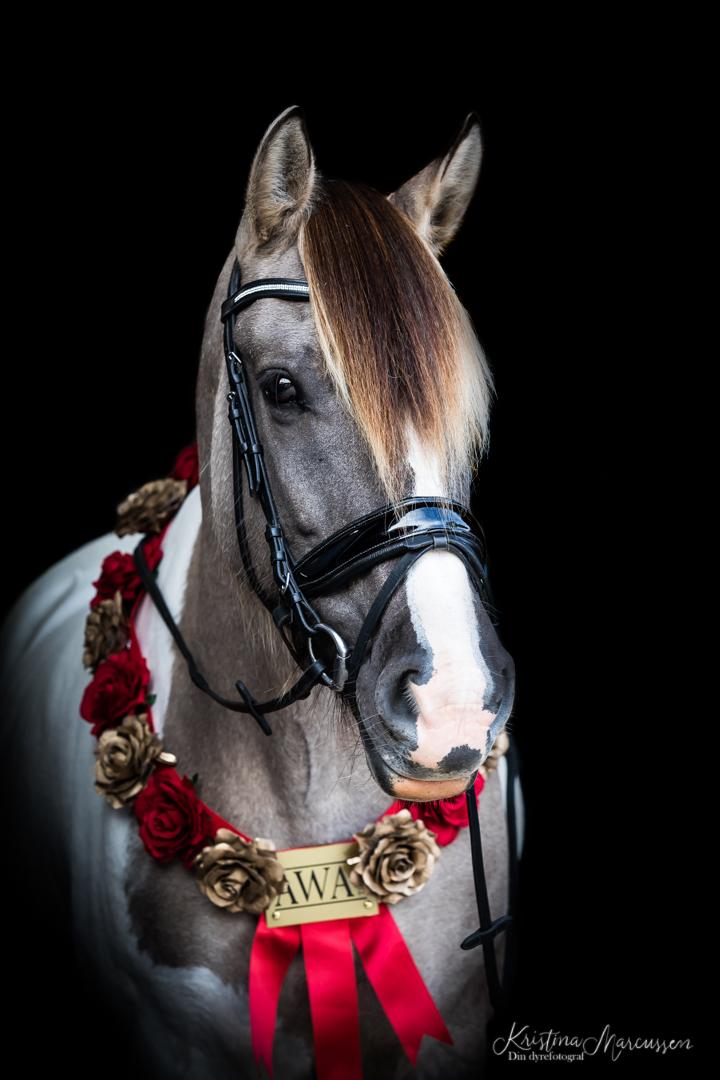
{"x": 281, "y": 391}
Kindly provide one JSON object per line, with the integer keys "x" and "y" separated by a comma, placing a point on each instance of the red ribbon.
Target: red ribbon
{"x": 397, "y": 981}
{"x": 330, "y": 973}
{"x": 270, "y": 957}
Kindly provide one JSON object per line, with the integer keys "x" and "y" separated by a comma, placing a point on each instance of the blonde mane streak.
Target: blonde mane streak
{"x": 397, "y": 343}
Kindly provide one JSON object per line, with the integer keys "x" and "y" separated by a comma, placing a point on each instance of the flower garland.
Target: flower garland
{"x": 396, "y": 853}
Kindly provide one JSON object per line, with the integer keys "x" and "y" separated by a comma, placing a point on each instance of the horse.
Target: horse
{"x": 377, "y": 390}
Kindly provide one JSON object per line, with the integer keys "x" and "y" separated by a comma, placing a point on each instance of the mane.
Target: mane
{"x": 398, "y": 344}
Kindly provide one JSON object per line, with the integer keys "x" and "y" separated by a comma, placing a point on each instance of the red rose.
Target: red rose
{"x": 444, "y": 817}
{"x": 186, "y": 466}
{"x": 119, "y": 572}
{"x": 118, "y": 686}
{"x": 173, "y": 820}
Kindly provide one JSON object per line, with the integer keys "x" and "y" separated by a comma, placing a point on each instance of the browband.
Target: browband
{"x": 279, "y": 287}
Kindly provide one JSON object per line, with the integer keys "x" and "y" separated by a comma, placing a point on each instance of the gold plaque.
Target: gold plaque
{"x": 318, "y": 887}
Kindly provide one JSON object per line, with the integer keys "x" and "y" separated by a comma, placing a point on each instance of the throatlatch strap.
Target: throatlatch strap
{"x": 251, "y": 705}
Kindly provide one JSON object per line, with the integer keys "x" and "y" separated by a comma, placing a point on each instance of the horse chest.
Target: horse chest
{"x": 193, "y": 961}
{"x": 190, "y": 965}
{"x": 177, "y": 926}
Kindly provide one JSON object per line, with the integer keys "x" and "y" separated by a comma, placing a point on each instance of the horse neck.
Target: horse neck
{"x": 309, "y": 781}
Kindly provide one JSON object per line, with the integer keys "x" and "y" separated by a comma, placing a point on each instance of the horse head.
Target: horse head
{"x": 375, "y": 391}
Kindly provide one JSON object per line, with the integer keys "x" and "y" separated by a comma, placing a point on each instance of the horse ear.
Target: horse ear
{"x": 436, "y": 198}
{"x": 280, "y": 186}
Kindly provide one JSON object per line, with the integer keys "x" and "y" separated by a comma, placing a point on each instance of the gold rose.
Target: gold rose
{"x": 237, "y": 874}
{"x": 397, "y": 856}
{"x": 126, "y": 756}
{"x": 147, "y": 509}
{"x": 106, "y": 631}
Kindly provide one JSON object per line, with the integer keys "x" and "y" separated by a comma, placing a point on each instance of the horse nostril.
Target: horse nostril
{"x": 407, "y": 675}
{"x": 397, "y": 698}
{"x": 406, "y": 694}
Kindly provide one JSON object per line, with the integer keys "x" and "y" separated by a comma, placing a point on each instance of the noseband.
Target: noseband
{"x": 401, "y": 532}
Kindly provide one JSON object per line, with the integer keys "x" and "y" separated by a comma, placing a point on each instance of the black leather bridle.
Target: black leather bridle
{"x": 402, "y": 532}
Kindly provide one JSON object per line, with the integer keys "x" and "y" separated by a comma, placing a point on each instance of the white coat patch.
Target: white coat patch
{"x": 440, "y": 598}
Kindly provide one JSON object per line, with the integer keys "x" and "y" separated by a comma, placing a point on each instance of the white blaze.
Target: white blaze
{"x": 440, "y": 598}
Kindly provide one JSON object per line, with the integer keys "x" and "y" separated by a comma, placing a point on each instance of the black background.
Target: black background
{"x": 126, "y": 200}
